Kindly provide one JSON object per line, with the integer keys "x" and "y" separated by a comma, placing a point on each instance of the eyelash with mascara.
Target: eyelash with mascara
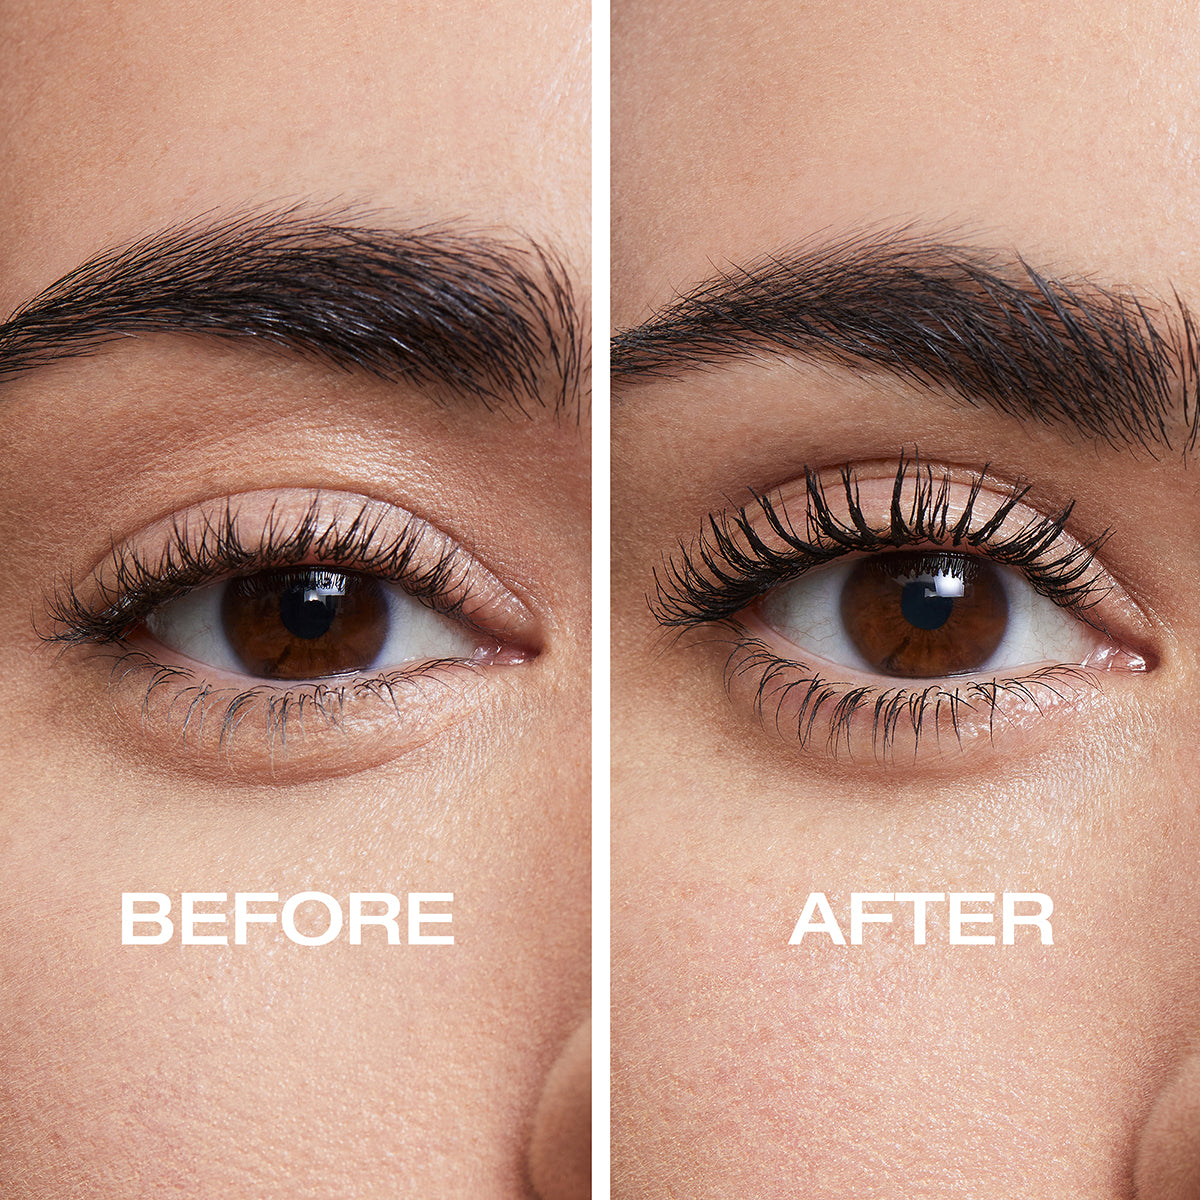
{"x": 743, "y": 556}
{"x": 366, "y": 541}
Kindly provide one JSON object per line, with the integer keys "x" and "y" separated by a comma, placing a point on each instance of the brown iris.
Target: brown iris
{"x": 304, "y": 623}
{"x": 924, "y": 615}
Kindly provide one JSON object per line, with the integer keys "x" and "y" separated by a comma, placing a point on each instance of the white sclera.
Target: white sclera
{"x": 191, "y": 626}
{"x": 807, "y": 612}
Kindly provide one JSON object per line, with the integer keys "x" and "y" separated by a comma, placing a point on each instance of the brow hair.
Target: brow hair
{"x": 985, "y": 325}
{"x": 463, "y": 314}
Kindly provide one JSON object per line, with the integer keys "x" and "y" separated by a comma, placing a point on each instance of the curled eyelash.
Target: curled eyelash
{"x": 733, "y": 563}
{"x": 135, "y": 586}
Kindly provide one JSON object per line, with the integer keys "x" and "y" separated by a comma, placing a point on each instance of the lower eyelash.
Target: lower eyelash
{"x": 282, "y": 708}
{"x": 817, "y": 704}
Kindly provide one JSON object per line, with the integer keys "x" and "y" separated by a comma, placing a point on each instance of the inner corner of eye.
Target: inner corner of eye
{"x": 309, "y": 623}
{"x": 925, "y": 614}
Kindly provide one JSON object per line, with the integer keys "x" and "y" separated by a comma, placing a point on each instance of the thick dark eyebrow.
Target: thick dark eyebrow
{"x": 467, "y": 316}
{"x": 985, "y": 325}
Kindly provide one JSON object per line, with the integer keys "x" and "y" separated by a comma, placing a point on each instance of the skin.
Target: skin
{"x": 746, "y": 1065}
{"x": 271, "y": 1069}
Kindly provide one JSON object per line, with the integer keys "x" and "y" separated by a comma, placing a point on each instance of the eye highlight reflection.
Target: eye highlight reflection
{"x": 881, "y": 611}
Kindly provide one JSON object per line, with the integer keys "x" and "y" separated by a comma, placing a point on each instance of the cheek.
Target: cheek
{"x": 155, "y": 1070}
{"x": 197, "y": 1071}
{"x": 123, "y": 1050}
{"x": 758, "y": 1068}
{"x": 745, "y": 1065}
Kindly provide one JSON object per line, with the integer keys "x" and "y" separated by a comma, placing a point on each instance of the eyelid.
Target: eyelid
{"x": 915, "y": 720}
{"x": 222, "y": 537}
{"x": 214, "y": 723}
{"x": 1094, "y": 595}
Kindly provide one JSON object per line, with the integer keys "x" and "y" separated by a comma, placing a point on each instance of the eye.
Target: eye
{"x": 927, "y": 610}
{"x": 333, "y": 624}
{"x": 307, "y": 623}
{"x": 924, "y": 615}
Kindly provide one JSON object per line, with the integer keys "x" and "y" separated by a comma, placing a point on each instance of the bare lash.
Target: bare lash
{"x": 135, "y": 585}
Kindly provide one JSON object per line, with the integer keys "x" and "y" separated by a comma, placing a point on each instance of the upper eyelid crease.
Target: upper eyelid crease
{"x": 469, "y": 316}
{"x": 1071, "y": 354}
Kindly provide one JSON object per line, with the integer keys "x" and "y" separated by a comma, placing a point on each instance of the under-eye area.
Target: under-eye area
{"x": 265, "y": 618}
{"x": 880, "y": 612}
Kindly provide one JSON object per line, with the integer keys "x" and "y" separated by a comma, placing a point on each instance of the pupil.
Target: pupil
{"x": 308, "y": 612}
{"x": 921, "y": 606}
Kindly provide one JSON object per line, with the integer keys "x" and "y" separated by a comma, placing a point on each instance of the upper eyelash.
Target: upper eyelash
{"x": 136, "y": 586}
{"x": 731, "y": 564}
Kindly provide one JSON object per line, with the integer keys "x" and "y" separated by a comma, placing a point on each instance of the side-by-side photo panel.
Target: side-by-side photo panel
{"x": 905, "y": 398}
{"x": 295, "y": 601}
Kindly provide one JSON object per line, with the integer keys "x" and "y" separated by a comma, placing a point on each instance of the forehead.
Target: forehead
{"x": 1065, "y": 130}
{"x": 123, "y": 118}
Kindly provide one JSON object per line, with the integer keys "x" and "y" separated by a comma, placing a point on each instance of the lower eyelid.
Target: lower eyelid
{"x": 225, "y": 730}
{"x": 844, "y": 710}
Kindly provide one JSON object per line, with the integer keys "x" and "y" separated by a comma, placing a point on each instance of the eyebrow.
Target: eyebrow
{"x": 468, "y": 316}
{"x": 983, "y": 324}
